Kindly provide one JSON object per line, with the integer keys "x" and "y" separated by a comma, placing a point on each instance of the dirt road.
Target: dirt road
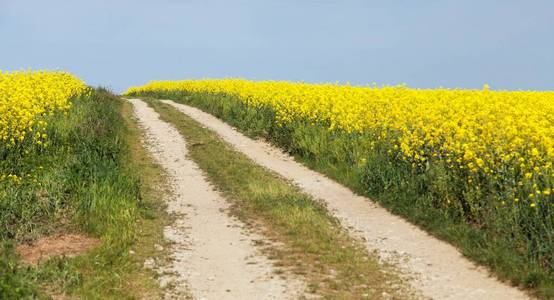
{"x": 441, "y": 272}
{"x": 213, "y": 254}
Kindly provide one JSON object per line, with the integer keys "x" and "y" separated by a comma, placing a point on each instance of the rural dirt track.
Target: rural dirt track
{"x": 439, "y": 270}
{"x": 212, "y": 254}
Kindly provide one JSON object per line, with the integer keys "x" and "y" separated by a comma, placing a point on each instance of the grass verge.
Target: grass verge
{"x": 85, "y": 182}
{"x": 312, "y": 242}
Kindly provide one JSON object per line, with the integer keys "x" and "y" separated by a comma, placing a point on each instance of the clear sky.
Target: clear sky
{"x": 508, "y": 44}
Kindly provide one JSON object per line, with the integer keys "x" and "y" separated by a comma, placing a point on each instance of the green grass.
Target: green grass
{"x": 84, "y": 182}
{"x": 313, "y": 243}
{"x": 514, "y": 242}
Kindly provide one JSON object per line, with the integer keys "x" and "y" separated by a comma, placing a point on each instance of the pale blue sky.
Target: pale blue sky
{"x": 508, "y": 44}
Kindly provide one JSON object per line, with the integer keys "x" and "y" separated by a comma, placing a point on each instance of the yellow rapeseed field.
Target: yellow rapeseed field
{"x": 26, "y": 97}
{"x": 504, "y": 135}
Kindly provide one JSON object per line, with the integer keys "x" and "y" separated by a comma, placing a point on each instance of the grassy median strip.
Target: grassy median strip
{"x": 307, "y": 240}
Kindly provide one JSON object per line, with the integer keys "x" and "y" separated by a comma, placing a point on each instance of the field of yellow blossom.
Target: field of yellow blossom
{"x": 473, "y": 167}
{"x": 26, "y": 98}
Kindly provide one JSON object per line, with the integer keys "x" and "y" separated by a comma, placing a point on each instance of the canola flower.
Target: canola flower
{"x": 25, "y": 96}
{"x": 26, "y": 99}
{"x": 502, "y": 136}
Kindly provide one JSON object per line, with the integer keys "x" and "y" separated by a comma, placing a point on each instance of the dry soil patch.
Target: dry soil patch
{"x": 61, "y": 244}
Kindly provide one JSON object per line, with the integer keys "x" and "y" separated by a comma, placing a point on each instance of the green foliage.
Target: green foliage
{"x": 14, "y": 280}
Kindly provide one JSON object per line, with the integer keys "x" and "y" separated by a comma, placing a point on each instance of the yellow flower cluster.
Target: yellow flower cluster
{"x": 25, "y": 96}
{"x": 11, "y": 177}
{"x": 480, "y": 132}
